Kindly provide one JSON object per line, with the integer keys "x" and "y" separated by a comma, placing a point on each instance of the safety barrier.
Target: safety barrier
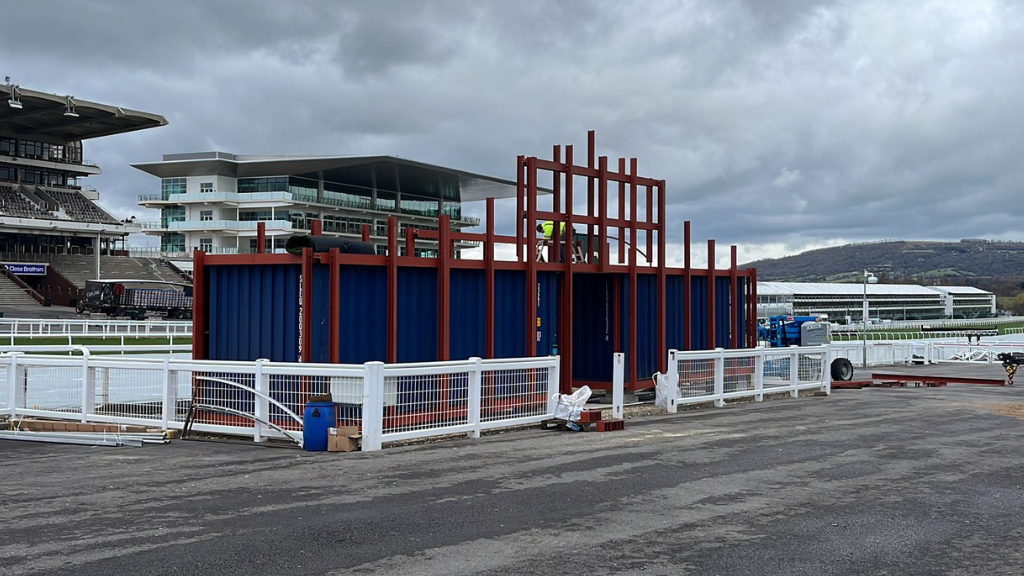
{"x": 937, "y": 323}
{"x": 263, "y": 399}
{"x": 92, "y": 327}
{"x": 924, "y": 351}
{"x": 720, "y": 375}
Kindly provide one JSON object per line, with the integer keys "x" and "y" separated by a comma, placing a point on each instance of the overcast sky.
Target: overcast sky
{"x": 778, "y": 125}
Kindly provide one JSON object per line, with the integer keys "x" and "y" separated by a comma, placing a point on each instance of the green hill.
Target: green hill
{"x": 970, "y": 262}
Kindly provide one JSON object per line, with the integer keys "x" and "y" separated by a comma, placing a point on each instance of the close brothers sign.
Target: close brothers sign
{"x": 26, "y": 269}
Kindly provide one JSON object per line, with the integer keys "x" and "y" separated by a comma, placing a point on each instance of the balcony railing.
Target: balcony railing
{"x": 228, "y": 225}
{"x": 363, "y": 204}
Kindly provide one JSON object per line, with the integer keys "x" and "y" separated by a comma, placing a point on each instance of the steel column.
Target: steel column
{"x": 662, "y": 288}
{"x": 712, "y": 320}
{"x": 687, "y": 290}
{"x": 444, "y": 287}
{"x": 489, "y": 282}
{"x": 261, "y": 237}
{"x": 198, "y": 306}
{"x": 307, "y": 305}
{"x": 334, "y": 322}
{"x": 392, "y": 289}
{"x": 531, "y": 260}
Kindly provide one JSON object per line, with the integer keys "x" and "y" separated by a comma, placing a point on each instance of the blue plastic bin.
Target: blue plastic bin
{"x": 316, "y": 419}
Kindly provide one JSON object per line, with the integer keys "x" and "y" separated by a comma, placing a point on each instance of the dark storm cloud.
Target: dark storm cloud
{"x": 777, "y": 125}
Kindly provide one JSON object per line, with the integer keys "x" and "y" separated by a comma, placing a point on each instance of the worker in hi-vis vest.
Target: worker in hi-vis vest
{"x": 548, "y": 229}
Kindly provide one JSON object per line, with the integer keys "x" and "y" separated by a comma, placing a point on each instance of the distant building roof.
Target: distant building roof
{"x": 46, "y": 116}
{"x": 472, "y": 186}
{"x": 841, "y": 289}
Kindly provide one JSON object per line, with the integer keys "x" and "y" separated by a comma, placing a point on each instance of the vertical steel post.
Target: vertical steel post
{"x": 662, "y": 284}
{"x": 307, "y": 305}
{"x": 687, "y": 290}
{"x": 520, "y": 209}
{"x": 392, "y": 290}
{"x": 591, "y": 212}
{"x": 622, "y": 215}
{"x": 633, "y": 284}
{"x": 489, "y": 282}
{"x": 261, "y": 237}
{"x": 565, "y": 337}
{"x": 334, "y": 321}
{"x": 531, "y": 260}
{"x": 198, "y": 305}
{"x": 602, "y": 209}
{"x": 366, "y": 233}
{"x": 444, "y": 253}
{"x": 316, "y": 228}
{"x": 712, "y": 320}
{"x": 734, "y": 306}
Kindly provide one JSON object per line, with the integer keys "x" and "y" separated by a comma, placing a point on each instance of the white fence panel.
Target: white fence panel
{"x": 720, "y": 375}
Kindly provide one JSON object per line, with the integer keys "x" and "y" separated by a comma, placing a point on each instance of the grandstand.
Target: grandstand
{"x": 844, "y": 302}
{"x": 49, "y": 220}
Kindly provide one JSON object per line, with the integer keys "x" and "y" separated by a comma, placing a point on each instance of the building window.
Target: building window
{"x": 8, "y": 146}
{"x": 171, "y": 186}
{"x": 205, "y": 244}
{"x": 250, "y": 185}
{"x": 381, "y": 250}
{"x": 206, "y": 216}
{"x": 206, "y": 187}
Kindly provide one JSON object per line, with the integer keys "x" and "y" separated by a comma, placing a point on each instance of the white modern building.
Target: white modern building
{"x": 885, "y": 301}
{"x": 212, "y": 201}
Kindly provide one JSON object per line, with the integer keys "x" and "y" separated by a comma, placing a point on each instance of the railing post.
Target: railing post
{"x": 170, "y": 400}
{"x": 373, "y": 405}
{"x": 794, "y": 371}
{"x": 474, "y": 394}
{"x": 88, "y": 386}
{"x": 618, "y": 375}
{"x": 671, "y": 382}
{"x": 719, "y": 377}
{"x": 553, "y": 384}
{"x": 759, "y": 376}
{"x": 826, "y": 371}
{"x": 262, "y": 407}
{"x": 13, "y": 385}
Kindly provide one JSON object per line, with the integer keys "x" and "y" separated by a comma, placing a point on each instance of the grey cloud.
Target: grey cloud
{"x": 891, "y": 119}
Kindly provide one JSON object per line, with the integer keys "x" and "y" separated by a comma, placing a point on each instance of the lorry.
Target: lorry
{"x": 785, "y": 331}
{"x": 137, "y": 299}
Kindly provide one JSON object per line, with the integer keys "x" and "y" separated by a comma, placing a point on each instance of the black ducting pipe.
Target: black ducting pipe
{"x": 295, "y": 245}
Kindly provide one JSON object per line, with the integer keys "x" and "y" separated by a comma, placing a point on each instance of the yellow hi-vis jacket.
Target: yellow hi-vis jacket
{"x": 549, "y": 230}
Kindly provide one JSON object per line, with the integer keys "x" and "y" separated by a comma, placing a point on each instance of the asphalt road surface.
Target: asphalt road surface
{"x": 874, "y": 481}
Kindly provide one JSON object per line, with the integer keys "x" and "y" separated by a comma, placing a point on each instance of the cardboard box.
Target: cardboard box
{"x": 343, "y": 439}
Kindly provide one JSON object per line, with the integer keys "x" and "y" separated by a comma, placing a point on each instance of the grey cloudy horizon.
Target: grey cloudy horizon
{"x": 778, "y": 126}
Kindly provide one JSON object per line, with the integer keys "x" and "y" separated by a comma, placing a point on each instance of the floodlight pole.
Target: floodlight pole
{"x": 864, "y": 317}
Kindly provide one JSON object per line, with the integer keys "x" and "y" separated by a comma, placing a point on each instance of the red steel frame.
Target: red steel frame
{"x": 597, "y": 222}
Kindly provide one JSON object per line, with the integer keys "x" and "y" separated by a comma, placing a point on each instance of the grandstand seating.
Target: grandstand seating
{"x": 12, "y": 295}
{"x": 78, "y": 207}
{"x": 78, "y": 269}
{"x": 40, "y": 202}
{"x": 16, "y": 205}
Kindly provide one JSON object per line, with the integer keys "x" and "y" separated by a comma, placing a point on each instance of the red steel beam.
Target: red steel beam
{"x": 198, "y": 305}
{"x": 489, "y": 282}
{"x": 531, "y": 260}
{"x": 753, "y": 303}
{"x": 392, "y": 259}
{"x": 366, "y": 232}
{"x": 622, "y": 214}
{"x": 662, "y": 288}
{"x": 444, "y": 255}
{"x": 602, "y": 213}
{"x": 307, "y": 305}
{"x": 632, "y": 276}
{"x": 687, "y": 290}
{"x": 734, "y": 309}
{"x": 411, "y": 234}
{"x": 554, "y": 249}
{"x": 649, "y": 217}
{"x": 937, "y": 379}
{"x": 565, "y": 338}
{"x": 712, "y": 340}
{"x": 335, "y": 308}
{"x": 590, "y": 195}
{"x": 261, "y": 237}
{"x": 519, "y": 208}
{"x": 316, "y": 228}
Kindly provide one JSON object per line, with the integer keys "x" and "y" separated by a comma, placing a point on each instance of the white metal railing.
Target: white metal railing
{"x": 261, "y": 399}
{"x": 720, "y": 375}
{"x": 922, "y": 351}
{"x": 951, "y": 324}
{"x": 29, "y": 327}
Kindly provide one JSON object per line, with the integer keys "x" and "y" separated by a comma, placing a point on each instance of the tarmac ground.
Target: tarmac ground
{"x": 873, "y": 481}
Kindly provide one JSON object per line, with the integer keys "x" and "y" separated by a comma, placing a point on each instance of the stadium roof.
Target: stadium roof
{"x": 837, "y": 289}
{"x": 960, "y": 290}
{"x": 472, "y": 186}
{"x": 46, "y": 116}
